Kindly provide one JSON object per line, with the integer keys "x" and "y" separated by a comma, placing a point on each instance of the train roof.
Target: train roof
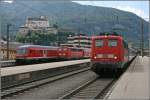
{"x": 107, "y": 36}
{"x": 71, "y": 47}
{"x": 110, "y": 33}
{"x": 37, "y": 46}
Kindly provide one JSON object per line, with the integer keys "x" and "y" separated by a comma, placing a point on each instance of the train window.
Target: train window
{"x": 112, "y": 43}
{"x": 31, "y": 51}
{"x": 21, "y": 51}
{"x": 41, "y": 52}
{"x": 99, "y": 43}
{"x": 79, "y": 49}
{"x": 74, "y": 49}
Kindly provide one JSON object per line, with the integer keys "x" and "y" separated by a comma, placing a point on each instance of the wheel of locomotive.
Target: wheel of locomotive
{"x": 119, "y": 71}
{"x": 97, "y": 70}
{"x": 100, "y": 72}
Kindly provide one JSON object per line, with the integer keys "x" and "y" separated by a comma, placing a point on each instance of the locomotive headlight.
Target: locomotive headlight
{"x": 115, "y": 57}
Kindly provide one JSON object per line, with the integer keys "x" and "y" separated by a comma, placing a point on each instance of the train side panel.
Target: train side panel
{"x": 71, "y": 53}
{"x": 30, "y": 53}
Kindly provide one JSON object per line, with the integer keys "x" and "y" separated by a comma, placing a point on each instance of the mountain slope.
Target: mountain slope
{"x": 86, "y": 19}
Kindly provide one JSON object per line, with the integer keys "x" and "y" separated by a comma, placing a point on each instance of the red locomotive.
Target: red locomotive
{"x": 71, "y": 52}
{"x": 108, "y": 52}
{"x": 35, "y": 53}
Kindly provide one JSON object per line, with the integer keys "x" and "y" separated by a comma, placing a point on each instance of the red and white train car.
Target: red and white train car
{"x": 37, "y": 53}
{"x": 71, "y": 52}
{"x": 30, "y": 53}
{"x": 87, "y": 52}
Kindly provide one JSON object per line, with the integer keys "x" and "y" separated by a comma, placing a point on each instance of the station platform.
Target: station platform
{"x": 36, "y": 67}
{"x": 7, "y": 63}
{"x": 134, "y": 83}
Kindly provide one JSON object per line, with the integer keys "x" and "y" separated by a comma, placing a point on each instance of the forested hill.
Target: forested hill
{"x": 83, "y": 18}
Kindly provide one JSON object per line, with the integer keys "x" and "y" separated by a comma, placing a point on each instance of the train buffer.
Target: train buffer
{"x": 134, "y": 83}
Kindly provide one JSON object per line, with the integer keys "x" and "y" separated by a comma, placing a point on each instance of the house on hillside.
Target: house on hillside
{"x": 37, "y": 24}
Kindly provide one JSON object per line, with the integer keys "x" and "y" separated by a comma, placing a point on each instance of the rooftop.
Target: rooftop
{"x": 41, "y": 18}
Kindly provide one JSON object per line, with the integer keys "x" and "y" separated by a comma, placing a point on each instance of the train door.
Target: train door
{"x": 44, "y": 53}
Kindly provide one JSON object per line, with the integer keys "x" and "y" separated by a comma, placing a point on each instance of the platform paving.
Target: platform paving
{"x": 134, "y": 83}
{"x": 36, "y": 67}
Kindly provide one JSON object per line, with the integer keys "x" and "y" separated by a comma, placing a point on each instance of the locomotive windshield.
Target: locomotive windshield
{"x": 21, "y": 51}
{"x": 112, "y": 43}
{"x": 99, "y": 43}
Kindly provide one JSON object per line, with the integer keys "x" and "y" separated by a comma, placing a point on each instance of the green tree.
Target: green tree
{"x": 55, "y": 26}
{"x": 41, "y": 38}
{"x": 20, "y": 38}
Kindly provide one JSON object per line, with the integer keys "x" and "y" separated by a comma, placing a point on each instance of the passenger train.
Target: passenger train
{"x": 74, "y": 52}
{"x": 109, "y": 52}
{"x": 37, "y": 53}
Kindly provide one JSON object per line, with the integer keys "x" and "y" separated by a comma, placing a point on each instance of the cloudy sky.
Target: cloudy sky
{"x": 140, "y": 8}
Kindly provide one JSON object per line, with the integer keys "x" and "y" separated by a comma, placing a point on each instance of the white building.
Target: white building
{"x": 36, "y": 22}
{"x": 40, "y": 24}
{"x": 79, "y": 41}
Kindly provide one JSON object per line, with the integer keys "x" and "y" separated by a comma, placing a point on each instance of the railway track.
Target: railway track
{"x": 93, "y": 89}
{"x": 96, "y": 88}
{"x": 13, "y": 90}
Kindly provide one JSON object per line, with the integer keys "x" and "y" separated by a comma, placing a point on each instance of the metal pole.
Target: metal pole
{"x": 117, "y": 19}
{"x": 57, "y": 39}
{"x": 8, "y": 25}
{"x": 142, "y": 41}
{"x": 79, "y": 40}
{"x": 148, "y": 46}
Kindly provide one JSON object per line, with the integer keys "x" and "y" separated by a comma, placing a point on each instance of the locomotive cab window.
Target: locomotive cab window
{"x": 99, "y": 43}
{"x": 112, "y": 43}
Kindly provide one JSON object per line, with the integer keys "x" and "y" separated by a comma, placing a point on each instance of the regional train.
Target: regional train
{"x": 70, "y": 53}
{"x": 37, "y": 53}
{"x": 74, "y": 52}
{"x": 109, "y": 52}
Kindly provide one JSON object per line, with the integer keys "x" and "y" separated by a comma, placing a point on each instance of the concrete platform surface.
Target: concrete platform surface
{"x": 134, "y": 83}
{"x": 29, "y": 68}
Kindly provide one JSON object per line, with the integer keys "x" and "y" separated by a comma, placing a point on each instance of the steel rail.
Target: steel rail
{"x": 21, "y": 88}
{"x": 92, "y": 89}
